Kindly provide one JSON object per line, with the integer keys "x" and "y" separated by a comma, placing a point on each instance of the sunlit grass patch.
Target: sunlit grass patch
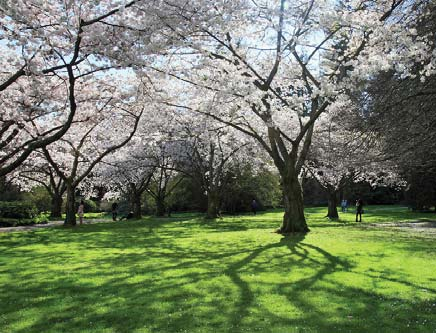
{"x": 185, "y": 274}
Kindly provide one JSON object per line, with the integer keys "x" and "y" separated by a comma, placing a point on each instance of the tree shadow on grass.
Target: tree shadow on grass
{"x": 354, "y": 309}
{"x": 351, "y": 309}
{"x": 246, "y": 298}
{"x": 151, "y": 282}
{"x": 298, "y": 255}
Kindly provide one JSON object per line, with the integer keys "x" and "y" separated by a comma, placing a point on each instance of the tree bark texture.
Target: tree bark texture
{"x": 160, "y": 207}
{"x": 212, "y": 205}
{"x": 56, "y": 206}
{"x": 70, "y": 208}
{"x": 332, "y": 212}
{"x": 293, "y": 219}
{"x": 136, "y": 203}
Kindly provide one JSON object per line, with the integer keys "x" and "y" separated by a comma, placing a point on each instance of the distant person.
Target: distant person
{"x": 254, "y": 206}
{"x": 359, "y": 210}
{"x": 81, "y": 211}
{"x": 129, "y": 216}
{"x": 114, "y": 211}
{"x": 344, "y": 204}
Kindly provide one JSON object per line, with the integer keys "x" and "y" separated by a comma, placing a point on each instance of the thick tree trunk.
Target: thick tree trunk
{"x": 56, "y": 206}
{"x": 70, "y": 208}
{"x": 332, "y": 212}
{"x": 136, "y": 203}
{"x": 160, "y": 207}
{"x": 212, "y": 205}
{"x": 293, "y": 220}
{"x": 101, "y": 191}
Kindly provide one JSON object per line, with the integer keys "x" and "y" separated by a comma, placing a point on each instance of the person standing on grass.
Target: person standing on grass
{"x": 114, "y": 211}
{"x": 254, "y": 206}
{"x": 359, "y": 209}
{"x": 81, "y": 211}
{"x": 344, "y": 205}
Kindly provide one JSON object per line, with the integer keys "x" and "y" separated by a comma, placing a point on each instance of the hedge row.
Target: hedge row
{"x": 15, "y": 213}
{"x": 8, "y": 222}
{"x": 18, "y": 209}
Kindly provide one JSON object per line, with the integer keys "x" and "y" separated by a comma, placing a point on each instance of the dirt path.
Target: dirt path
{"x": 48, "y": 225}
{"x": 419, "y": 226}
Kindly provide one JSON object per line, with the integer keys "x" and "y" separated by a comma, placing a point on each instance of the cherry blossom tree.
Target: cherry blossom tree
{"x": 129, "y": 178}
{"x": 111, "y": 113}
{"x": 277, "y": 66}
{"x": 127, "y": 173}
{"x": 166, "y": 176}
{"x": 211, "y": 150}
{"x": 344, "y": 152}
{"x": 172, "y": 147}
{"x": 48, "y": 46}
{"x": 401, "y": 111}
{"x": 36, "y": 171}
{"x": 274, "y": 68}
{"x": 150, "y": 170}
{"x": 46, "y": 51}
{"x": 147, "y": 163}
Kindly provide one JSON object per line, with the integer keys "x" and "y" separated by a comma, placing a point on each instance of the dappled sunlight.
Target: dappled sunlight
{"x": 185, "y": 274}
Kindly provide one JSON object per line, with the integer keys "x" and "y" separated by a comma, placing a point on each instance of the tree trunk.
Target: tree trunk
{"x": 160, "y": 207}
{"x": 56, "y": 206}
{"x": 70, "y": 208}
{"x": 212, "y": 205}
{"x": 101, "y": 191}
{"x": 293, "y": 220}
{"x": 136, "y": 206}
{"x": 332, "y": 206}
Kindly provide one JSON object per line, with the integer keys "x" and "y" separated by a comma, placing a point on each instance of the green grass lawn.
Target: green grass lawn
{"x": 184, "y": 274}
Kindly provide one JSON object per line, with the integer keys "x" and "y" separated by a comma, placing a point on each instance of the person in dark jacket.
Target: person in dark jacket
{"x": 114, "y": 211}
{"x": 359, "y": 210}
{"x": 254, "y": 206}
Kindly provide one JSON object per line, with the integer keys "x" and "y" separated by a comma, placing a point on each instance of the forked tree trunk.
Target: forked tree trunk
{"x": 332, "y": 212}
{"x": 56, "y": 206}
{"x": 212, "y": 205}
{"x": 160, "y": 207}
{"x": 293, "y": 220}
{"x": 70, "y": 208}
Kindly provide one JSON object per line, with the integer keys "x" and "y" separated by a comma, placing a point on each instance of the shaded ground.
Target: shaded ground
{"x": 186, "y": 274}
{"x": 47, "y": 225}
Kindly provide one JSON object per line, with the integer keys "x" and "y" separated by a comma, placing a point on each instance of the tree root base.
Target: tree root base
{"x": 291, "y": 233}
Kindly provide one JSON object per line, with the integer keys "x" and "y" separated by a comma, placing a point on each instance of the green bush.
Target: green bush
{"x": 16, "y": 213}
{"x": 41, "y": 218}
{"x": 40, "y": 197}
{"x": 8, "y": 222}
{"x": 18, "y": 210}
{"x": 90, "y": 206}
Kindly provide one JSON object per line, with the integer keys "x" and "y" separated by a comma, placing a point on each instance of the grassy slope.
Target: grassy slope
{"x": 185, "y": 275}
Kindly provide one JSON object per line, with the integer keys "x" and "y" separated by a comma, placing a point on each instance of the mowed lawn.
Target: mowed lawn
{"x": 184, "y": 274}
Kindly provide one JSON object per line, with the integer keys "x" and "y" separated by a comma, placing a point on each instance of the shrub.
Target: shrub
{"x": 16, "y": 213}
{"x": 40, "y": 197}
{"x": 9, "y": 222}
{"x": 90, "y": 206}
{"x": 18, "y": 210}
